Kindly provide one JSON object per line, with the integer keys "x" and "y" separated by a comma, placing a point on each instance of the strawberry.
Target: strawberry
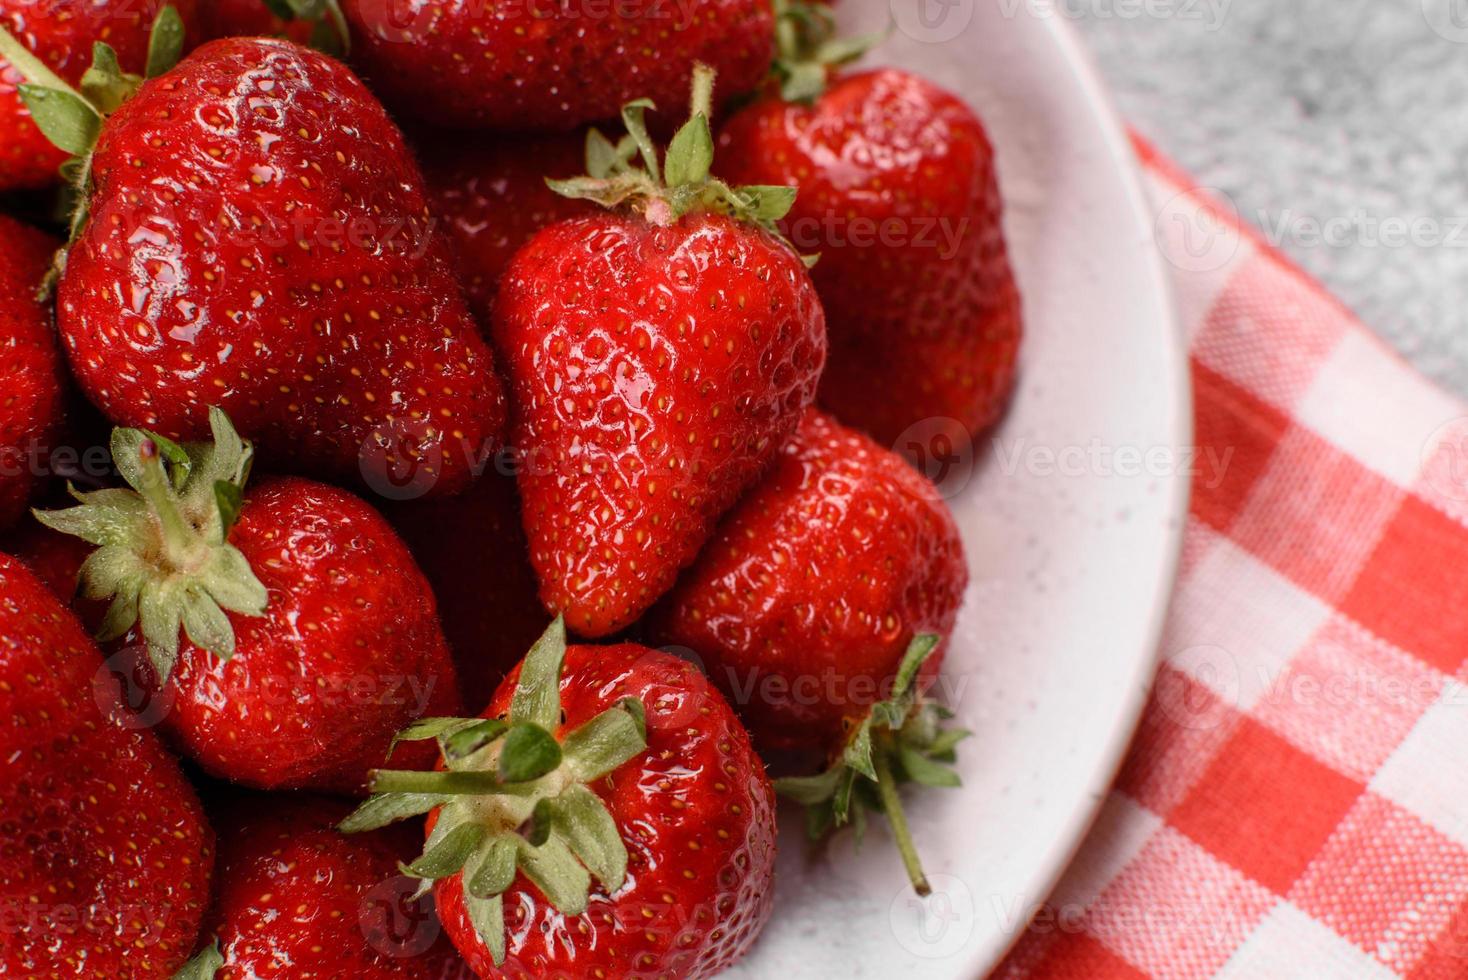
{"x": 472, "y": 549}
{"x": 295, "y": 898}
{"x": 309, "y": 636}
{"x": 256, "y": 236}
{"x": 658, "y": 357}
{"x": 32, "y": 403}
{"x": 818, "y": 607}
{"x": 549, "y": 65}
{"x": 105, "y": 856}
{"x": 318, "y": 23}
{"x": 492, "y": 197}
{"x": 899, "y": 195}
{"x": 60, "y": 34}
{"x": 625, "y": 767}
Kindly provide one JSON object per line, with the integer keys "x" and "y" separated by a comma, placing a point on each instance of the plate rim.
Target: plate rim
{"x": 1180, "y": 424}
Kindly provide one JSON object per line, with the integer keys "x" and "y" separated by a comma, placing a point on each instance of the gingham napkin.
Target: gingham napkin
{"x": 1296, "y": 802}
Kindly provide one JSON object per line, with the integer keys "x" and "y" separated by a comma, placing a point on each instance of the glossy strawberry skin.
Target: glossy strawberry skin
{"x": 298, "y": 900}
{"x": 259, "y": 241}
{"x": 31, "y": 375}
{"x": 655, "y": 372}
{"x": 492, "y": 197}
{"x": 472, "y": 549}
{"x": 349, "y": 650}
{"x": 898, "y": 194}
{"x": 805, "y": 600}
{"x": 549, "y": 65}
{"x": 61, "y": 33}
{"x": 105, "y": 856}
{"x": 697, "y": 813}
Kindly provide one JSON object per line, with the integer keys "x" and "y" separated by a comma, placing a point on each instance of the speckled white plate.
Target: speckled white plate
{"x": 1072, "y": 515}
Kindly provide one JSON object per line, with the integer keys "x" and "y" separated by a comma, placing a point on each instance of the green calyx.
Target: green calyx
{"x": 681, "y": 182}
{"x": 163, "y": 557}
{"x": 204, "y": 966}
{"x": 329, "y": 31}
{"x": 513, "y": 799}
{"x": 900, "y": 740}
{"x": 71, "y": 117}
{"x": 807, "y": 48}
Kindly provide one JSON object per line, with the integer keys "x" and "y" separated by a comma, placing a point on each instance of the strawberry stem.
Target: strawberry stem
{"x": 702, "y": 101}
{"x": 897, "y": 817}
{"x": 178, "y": 536}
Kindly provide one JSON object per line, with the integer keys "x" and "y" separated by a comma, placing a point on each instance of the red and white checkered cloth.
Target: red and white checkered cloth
{"x": 1296, "y": 802}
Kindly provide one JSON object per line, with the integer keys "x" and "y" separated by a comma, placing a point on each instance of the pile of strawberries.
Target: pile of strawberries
{"x": 388, "y": 407}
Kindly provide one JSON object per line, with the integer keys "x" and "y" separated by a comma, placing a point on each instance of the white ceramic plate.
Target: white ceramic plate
{"x": 1072, "y": 519}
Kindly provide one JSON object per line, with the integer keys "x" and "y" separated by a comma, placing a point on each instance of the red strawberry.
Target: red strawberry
{"x": 310, "y": 637}
{"x": 105, "y": 856}
{"x": 550, "y": 65}
{"x": 492, "y": 197}
{"x": 318, "y": 23}
{"x": 259, "y": 239}
{"x": 824, "y": 587}
{"x": 31, "y": 385}
{"x": 898, "y": 194}
{"x": 657, "y": 360}
{"x": 472, "y": 549}
{"x": 60, "y": 33}
{"x": 297, "y": 899}
{"x": 631, "y": 770}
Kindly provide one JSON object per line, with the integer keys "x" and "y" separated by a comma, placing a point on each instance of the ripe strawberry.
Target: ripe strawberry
{"x": 295, "y": 898}
{"x": 31, "y": 385}
{"x": 898, "y": 194}
{"x": 258, "y": 239}
{"x": 657, "y": 360}
{"x": 60, "y": 34}
{"x": 310, "y": 635}
{"x": 550, "y": 66}
{"x": 492, "y": 197}
{"x": 818, "y": 606}
{"x": 318, "y": 23}
{"x": 105, "y": 856}
{"x": 472, "y": 549}
{"x": 628, "y": 767}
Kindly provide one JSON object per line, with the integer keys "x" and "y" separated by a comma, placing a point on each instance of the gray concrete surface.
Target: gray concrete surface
{"x": 1340, "y": 127}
